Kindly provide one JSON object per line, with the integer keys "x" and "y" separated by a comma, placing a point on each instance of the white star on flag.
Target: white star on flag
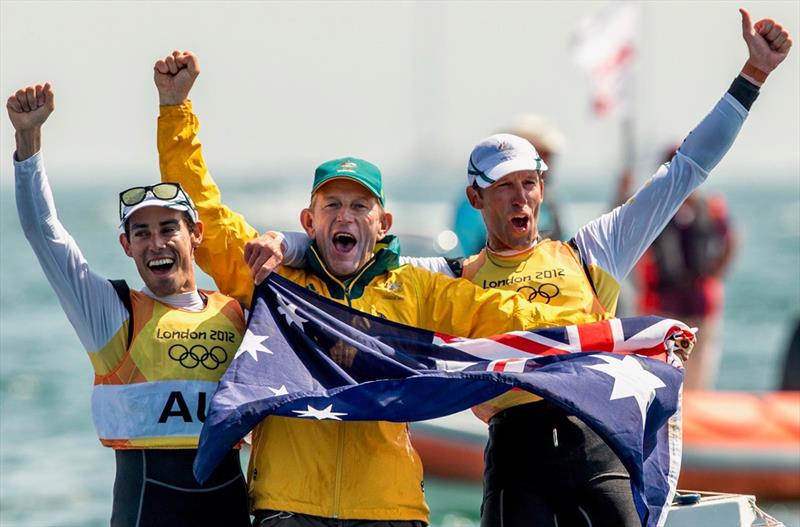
{"x": 630, "y": 380}
{"x": 325, "y": 413}
{"x": 252, "y": 344}
{"x": 279, "y": 391}
{"x": 289, "y": 310}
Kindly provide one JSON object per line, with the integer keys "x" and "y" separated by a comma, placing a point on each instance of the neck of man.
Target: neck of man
{"x": 189, "y": 300}
{"x": 511, "y": 251}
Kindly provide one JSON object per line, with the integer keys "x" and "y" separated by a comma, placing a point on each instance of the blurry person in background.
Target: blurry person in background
{"x": 790, "y": 373}
{"x": 548, "y": 141}
{"x": 681, "y": 276}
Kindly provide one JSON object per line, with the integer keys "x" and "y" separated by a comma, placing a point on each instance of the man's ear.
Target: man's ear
{"x": 126, "y": 244}
{"x": 307, "y": 221}
{"x": 386, "y": 224}
{"x": 197, "y": 234}
{"x": 474, "y": 198}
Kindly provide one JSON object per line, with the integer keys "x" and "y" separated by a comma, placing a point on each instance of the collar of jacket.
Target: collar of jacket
{"x": 385, "y": 257}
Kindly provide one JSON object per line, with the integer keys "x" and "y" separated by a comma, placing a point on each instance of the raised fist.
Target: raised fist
{"x": 174, "y": 76}
{"x": 767, "y": 41}
{"x": 30, "y": 107}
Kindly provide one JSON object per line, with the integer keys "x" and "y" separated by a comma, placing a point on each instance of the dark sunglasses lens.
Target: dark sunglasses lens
{"x": 165, "y": 190}
{"x": 132, "y": 196}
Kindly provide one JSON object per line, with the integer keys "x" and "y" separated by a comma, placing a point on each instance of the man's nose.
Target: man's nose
{"x": 158, "y": 242}
{"x": 344, "y": 215}
{"x": 519, "y": 195}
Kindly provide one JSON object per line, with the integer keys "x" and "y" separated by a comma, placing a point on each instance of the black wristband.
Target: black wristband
{"x": 743, "y": 91}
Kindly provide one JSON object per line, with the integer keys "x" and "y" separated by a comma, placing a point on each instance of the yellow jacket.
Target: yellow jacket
{"x": 333, "y": 469}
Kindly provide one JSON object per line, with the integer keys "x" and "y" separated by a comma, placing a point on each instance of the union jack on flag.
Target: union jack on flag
{"x": 308, "y": 357}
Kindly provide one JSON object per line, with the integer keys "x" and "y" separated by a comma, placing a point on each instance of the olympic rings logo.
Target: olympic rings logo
{"x": 546, "y": 292}
{"x": 198, "y": 354}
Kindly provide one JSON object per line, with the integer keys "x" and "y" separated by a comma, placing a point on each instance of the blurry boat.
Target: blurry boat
{"x": 742, "y": 442}
{"x": 719, "y": 509}
{"x": 736, "y": 442}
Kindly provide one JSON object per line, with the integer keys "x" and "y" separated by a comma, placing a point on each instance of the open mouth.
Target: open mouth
{"x": 520, "y": 223}
{"x": 344, "y": 242}
{"x": 161, "y": 265}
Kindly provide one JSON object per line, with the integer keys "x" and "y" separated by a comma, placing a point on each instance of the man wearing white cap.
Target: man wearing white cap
{"x": 570, "y": 476}
{"x": 468, "y": 223}
{"x": 157, "y": 353}
{"x": 543, "y": 466}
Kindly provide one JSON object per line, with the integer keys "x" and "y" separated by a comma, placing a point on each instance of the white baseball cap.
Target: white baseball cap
{"x": 499, "y": 155}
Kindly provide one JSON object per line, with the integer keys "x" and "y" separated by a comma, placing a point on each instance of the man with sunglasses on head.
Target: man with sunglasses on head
{"x": 569, "y": 476}
{"x": 157, "y": 353}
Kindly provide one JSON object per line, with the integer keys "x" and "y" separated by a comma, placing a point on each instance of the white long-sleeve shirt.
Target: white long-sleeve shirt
{"x": 88, "y": 299}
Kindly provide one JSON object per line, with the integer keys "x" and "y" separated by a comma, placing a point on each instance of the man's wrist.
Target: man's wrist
{"x": 28, "y": 142}
{"x": 167, "y": 100}
{"x": 754, "y": 74}
{"x": 278, "y": 235}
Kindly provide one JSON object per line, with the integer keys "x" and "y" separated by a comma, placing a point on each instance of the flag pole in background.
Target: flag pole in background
{"x": 605, "y": 47}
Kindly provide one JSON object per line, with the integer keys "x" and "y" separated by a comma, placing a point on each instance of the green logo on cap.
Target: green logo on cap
{"x": 347, "y": 166}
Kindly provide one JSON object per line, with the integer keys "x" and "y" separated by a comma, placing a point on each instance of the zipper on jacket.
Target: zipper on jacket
{"x": 354, "y": 281}
{"x": 345, "y": 289}
{"x": 337, "y": 490}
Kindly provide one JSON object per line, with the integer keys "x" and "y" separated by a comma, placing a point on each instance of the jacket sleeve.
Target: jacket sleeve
{"x": 225, "y": 233}
{"x": 458, "y": 307}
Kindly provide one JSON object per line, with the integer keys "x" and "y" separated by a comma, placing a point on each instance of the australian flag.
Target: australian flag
{"x": 308, "y": 357}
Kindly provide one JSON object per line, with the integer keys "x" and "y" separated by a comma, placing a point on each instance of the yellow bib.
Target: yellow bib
{"x": 158, "y": 394}
{"x": 550, "y": 273}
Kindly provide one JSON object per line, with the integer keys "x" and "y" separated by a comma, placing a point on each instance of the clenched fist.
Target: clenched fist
{"x": 174, "y": 76}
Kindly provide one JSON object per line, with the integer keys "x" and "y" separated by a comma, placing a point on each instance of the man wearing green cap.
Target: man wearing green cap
{"x": 343, "y": 255}
{"x": 320, "y": 473}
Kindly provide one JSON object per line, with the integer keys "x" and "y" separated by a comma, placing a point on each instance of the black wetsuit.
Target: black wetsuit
{"x": 547, "y": 468}
{"x": 156, "y": 488}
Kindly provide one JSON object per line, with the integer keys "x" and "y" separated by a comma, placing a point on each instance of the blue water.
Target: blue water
{"x": 53, "y": 472}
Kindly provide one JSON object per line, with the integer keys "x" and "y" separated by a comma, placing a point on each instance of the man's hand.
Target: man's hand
{"x": 28, "y": 109}
{"x": 263, "y": 255}
{"x": 30, "y": 106}
{"x": 174, "y": 77}
{"x": 768, "y": 44}
{"x": 683, "y": 347}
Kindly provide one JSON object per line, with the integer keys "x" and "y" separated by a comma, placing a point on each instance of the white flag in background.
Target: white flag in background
{"x": 605, "y": 46}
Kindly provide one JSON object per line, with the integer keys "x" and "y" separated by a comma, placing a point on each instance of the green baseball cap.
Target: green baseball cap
{"x": 352, "y": 168}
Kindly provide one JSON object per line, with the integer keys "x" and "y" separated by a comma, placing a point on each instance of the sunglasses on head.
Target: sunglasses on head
{"x": 164, "y": 191}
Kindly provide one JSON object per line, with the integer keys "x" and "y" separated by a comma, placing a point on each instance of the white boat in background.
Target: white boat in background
{"x": 720, "y": 510}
